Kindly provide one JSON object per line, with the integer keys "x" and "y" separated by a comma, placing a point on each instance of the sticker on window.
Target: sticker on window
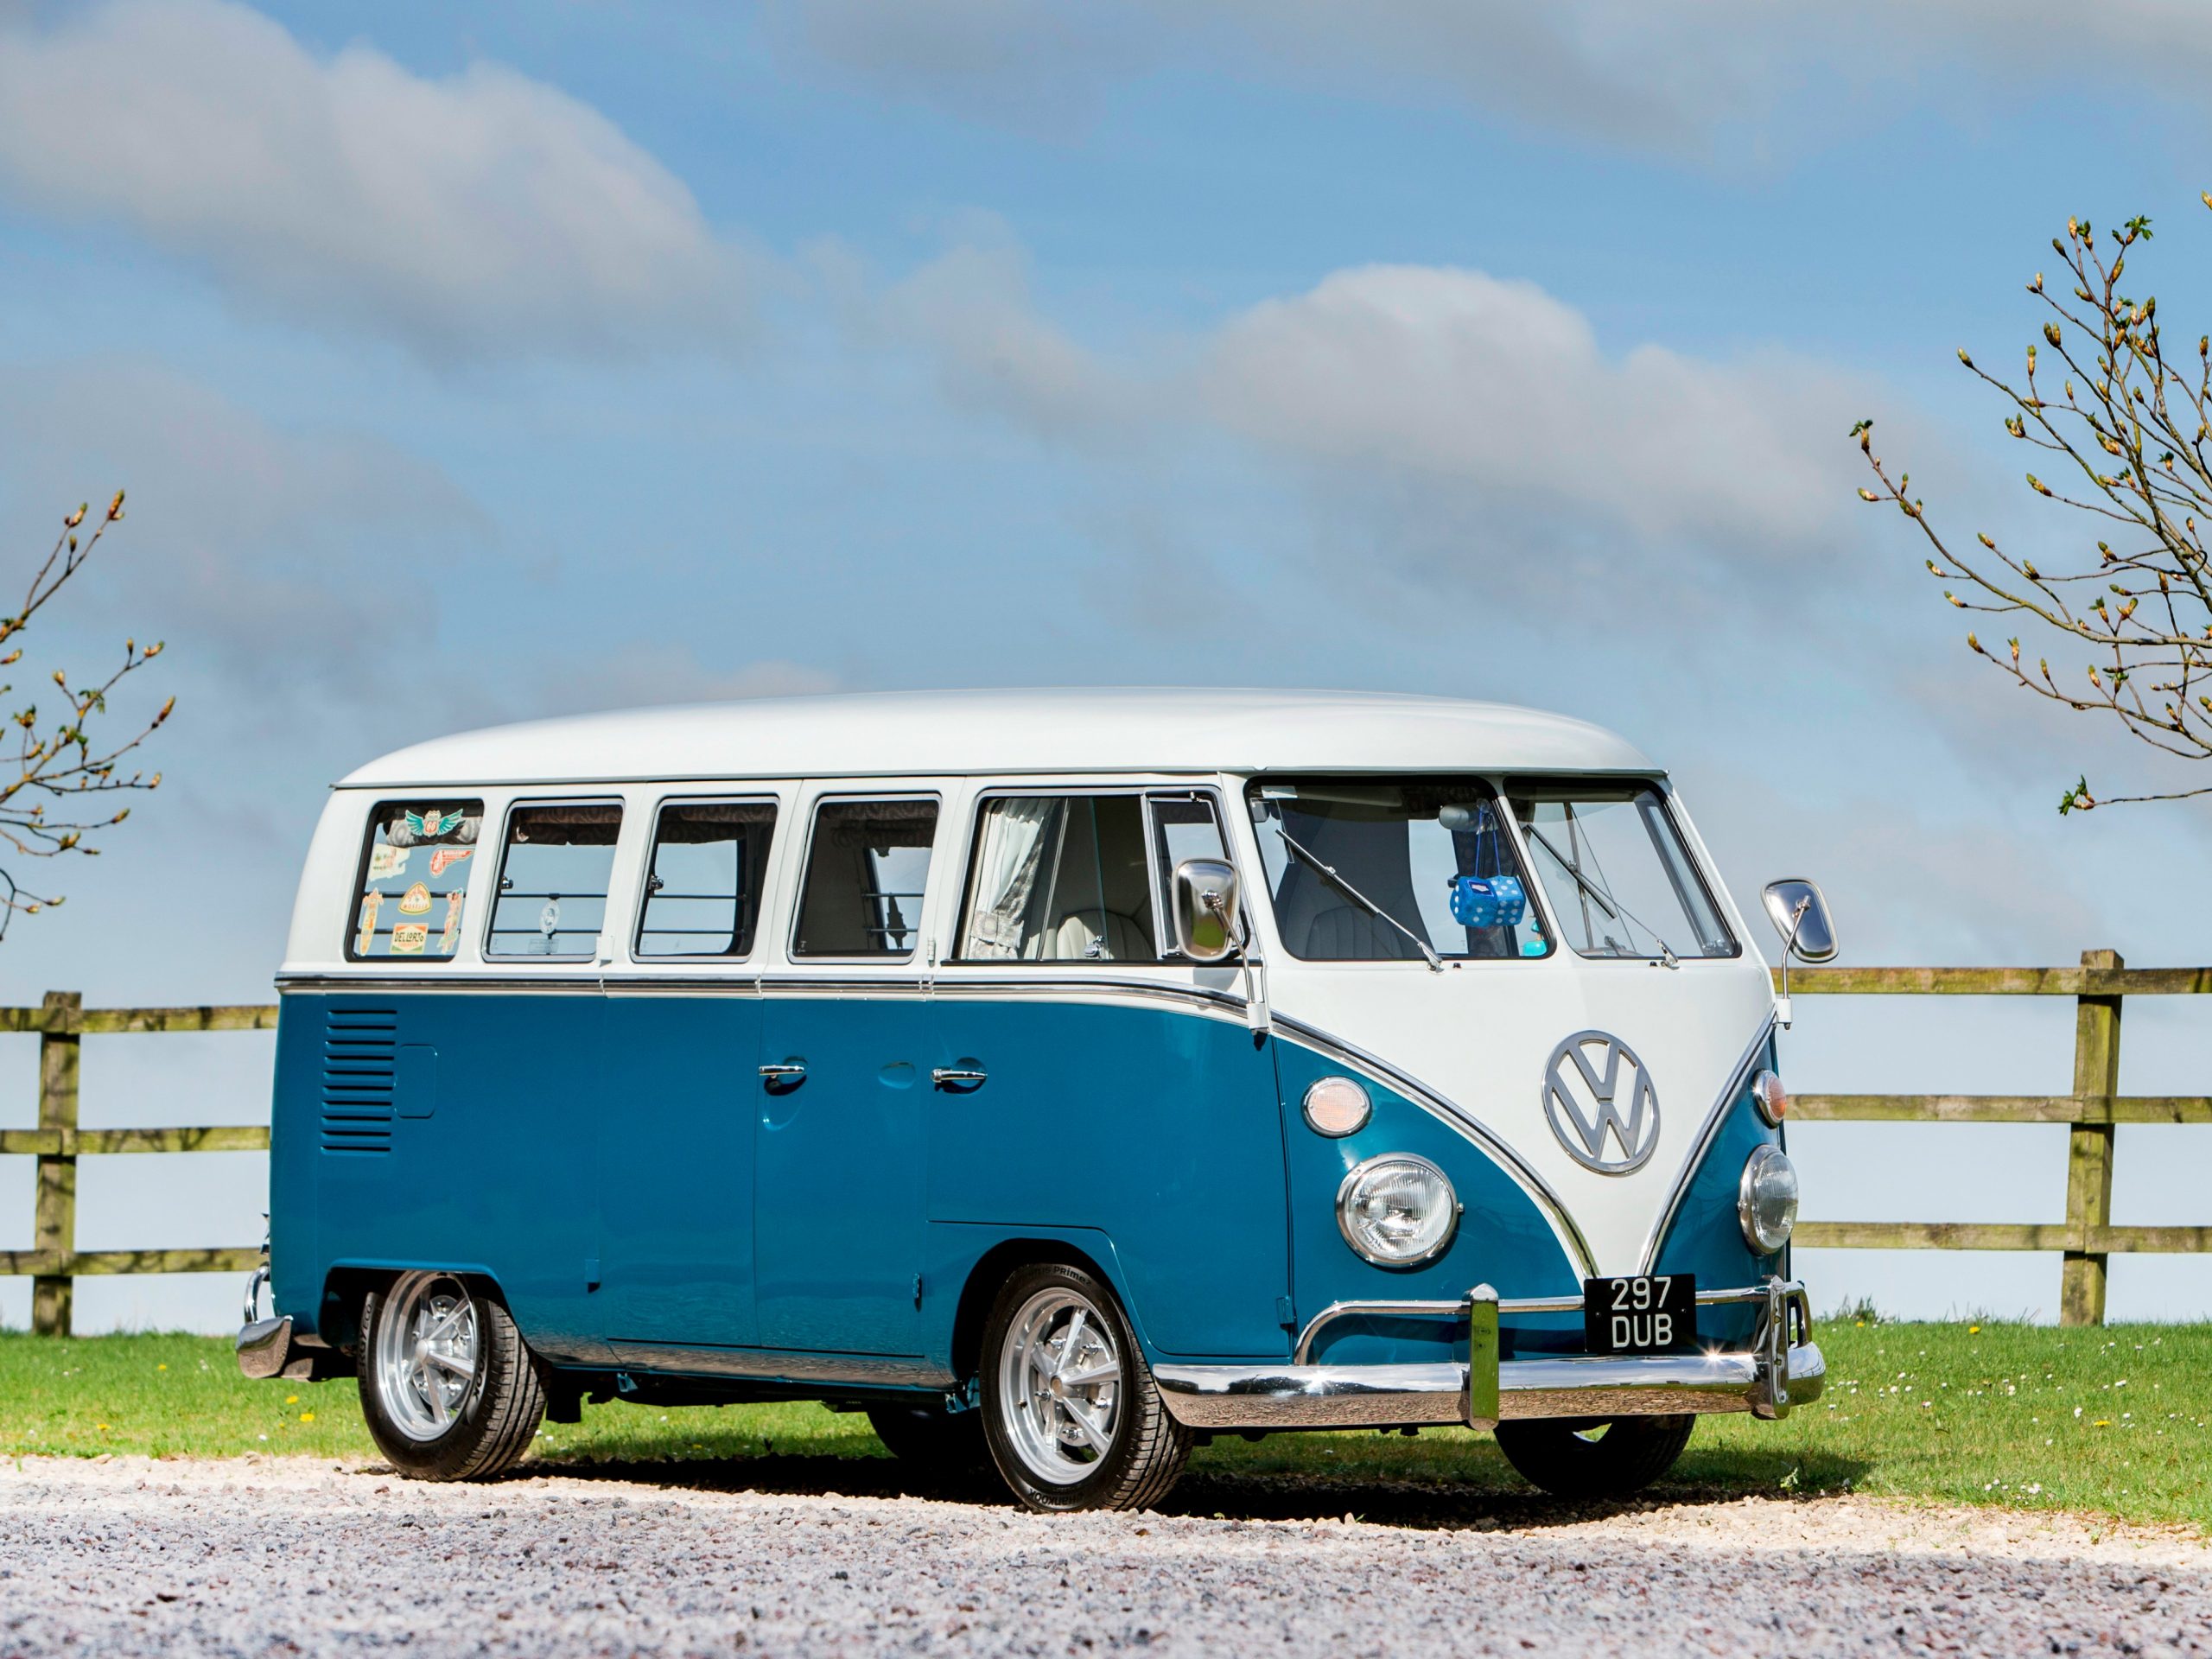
{"x": 395, "y": 895}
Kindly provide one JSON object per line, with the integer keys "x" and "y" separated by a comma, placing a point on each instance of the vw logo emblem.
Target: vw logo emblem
{"x": 1601, "y": 1104}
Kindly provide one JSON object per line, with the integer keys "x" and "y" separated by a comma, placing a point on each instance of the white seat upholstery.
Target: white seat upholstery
{"x": 1077, "y": 938}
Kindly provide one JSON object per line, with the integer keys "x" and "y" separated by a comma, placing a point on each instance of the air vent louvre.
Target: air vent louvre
{"x": 358, "y": 1062}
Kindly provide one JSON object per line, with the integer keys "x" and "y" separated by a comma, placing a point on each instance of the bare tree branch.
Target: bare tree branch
{"x": 2146, "y": 659}
{"x": 55, "y": 766}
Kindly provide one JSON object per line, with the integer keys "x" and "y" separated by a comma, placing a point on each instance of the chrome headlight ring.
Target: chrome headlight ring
{"x": 1397, "y": 1210}
{"x": 1766, "y": 1200}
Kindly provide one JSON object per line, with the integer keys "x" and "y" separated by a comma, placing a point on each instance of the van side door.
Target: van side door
{"x": 1120, "y": 1098}
{"x": 682, "y": 1024}
{"x": 847, "y": 1050}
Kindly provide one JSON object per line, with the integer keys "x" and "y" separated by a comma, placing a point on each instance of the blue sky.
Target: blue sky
{"x": 491, "y": 364}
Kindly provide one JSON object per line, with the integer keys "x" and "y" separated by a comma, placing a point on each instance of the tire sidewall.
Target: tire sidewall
{"x": 1110, "y": 1472}
{"x": 1630, "y": 1455}
{"x": 453, "y": 1454}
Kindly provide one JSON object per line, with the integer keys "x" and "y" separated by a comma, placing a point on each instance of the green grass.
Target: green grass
{"x": 2109, "y": 1422}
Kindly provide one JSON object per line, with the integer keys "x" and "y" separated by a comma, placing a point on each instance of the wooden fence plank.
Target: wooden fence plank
{"x": 240, "y": 1017}
{"x": 1999, "y": 1108}
{"x": 1998, "y": 982}
{"x": 1932, "y": 1236}
{"x": 213, "y": 1137}
{"x": 2089, "y": 1146}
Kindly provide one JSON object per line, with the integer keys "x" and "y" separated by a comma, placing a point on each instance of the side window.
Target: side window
{"x": 1060, "y": 877}
{"x": 414, "y": 876}
{"x": 553, "y": 872}
{"x": 866, "y": 871}
{"x": 1183, "y": 826}
{"x": 703, "y": 886}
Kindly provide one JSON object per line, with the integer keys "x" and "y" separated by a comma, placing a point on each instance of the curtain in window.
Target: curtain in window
{"x": 1007, "y": 868}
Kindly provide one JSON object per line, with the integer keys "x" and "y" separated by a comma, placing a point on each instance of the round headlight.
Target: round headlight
{"x": 1397, "y": 1210}
{"x": 1337, "y": 1107}
{"x": 1770, "y": 1097}
{"x": 1766, "y": 1200}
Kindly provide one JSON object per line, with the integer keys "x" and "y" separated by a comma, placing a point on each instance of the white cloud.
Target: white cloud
{"x": 268, "y": 549}
{"x": 1498, "y": 387}
{"x": 1683, "y": 76}
{"x": 477, "y": 214}
{"x": 1441, "y": 418}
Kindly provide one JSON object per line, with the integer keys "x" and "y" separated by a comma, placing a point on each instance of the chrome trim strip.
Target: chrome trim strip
{"x": 1459, "y": 1119}
{"x": 1198, "y": 998}
{"x": 1419, "y": 1396}
{"x": 1302, "y": 1352}
{"x": 1737, "y": 1080}
{"x": 784, "y": 1365}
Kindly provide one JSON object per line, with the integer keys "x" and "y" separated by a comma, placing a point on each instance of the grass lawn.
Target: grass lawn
{"x": 2110, "y": 1421}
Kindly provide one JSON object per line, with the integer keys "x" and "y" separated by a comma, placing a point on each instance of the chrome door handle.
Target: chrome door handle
{"x": 959, "y": 1077}
{"x": 786, "y": 1073}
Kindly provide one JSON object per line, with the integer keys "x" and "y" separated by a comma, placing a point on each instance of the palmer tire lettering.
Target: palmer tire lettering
{"x": 926, "y": 1437}
{"x": 493, "y": 1422}
{"x": 1576, "y": 1458}
{"x": 1147, "y": 1447}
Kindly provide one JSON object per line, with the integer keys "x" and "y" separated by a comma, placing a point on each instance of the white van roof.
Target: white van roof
{"x": 958, "y": 733}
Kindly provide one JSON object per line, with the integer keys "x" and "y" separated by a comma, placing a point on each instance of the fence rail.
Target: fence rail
{"x": 2086, "y": 1239}
{"x": 55, "y": 1262}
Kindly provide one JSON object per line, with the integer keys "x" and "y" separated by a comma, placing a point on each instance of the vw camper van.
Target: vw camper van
{"x": 1060, "y": 1078}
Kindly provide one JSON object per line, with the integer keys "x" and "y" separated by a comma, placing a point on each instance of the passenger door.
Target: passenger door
{"x": 683, "y": 1034}
{"x": 847, "y": 1049}
{"x": 1124, "y": 1100}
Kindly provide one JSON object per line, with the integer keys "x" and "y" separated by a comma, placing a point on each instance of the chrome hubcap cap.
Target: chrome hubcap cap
{"x": 427, "y": 1353}
{"x": 1060, "y": 1386}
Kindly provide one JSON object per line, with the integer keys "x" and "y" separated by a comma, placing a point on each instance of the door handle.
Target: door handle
{"x": 781, "y": 1077}
{"x": 959, "y": 1079}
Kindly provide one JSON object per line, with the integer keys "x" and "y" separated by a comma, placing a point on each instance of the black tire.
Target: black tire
{"x": 1145, "y": 1449}
{"x": 1574, "y": 1458}
{"x": 499, "y": 1406}
{"x": 928, "y": 1437}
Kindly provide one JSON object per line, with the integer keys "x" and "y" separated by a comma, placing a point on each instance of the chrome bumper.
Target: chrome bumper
{"x": 266, "y": 1350}
{"x": 1780, "y": 1370}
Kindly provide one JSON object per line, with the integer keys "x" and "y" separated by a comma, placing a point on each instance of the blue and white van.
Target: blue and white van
{"x": 1060, "y": 1078}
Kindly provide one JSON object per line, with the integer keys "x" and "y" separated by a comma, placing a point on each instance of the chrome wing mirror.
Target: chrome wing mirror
{"x": 1799, "y": 914}
{"x": 1204, "y": 894}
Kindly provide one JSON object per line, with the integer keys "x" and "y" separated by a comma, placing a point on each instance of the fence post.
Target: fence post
{"x": 55, "y": 1226}
{"x": 2088, "y": 1164}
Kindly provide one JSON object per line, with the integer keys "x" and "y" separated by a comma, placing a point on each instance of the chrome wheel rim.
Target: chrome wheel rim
{"x": 428, "y": 1351}
{"x": 1060, "y": 1386}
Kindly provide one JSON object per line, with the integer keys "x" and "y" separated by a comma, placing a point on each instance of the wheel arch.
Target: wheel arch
{"x": 991, "y": 1268}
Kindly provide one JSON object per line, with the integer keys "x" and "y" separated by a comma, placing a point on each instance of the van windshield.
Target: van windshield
{"x": 1619, "y": 880}
{"x": 1365, "y": 869}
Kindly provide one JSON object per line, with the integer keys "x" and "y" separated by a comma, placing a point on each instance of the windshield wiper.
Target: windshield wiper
{"x": 1435, "y": 961}
{"x": 1605, "y": 901}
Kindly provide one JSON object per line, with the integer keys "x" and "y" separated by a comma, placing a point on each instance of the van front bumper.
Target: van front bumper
{"x": 1783, "y": 1369}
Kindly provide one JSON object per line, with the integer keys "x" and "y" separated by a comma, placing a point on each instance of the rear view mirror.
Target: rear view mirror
{"x": 1801, "y": 916}
{"x": 1204, "y": 899}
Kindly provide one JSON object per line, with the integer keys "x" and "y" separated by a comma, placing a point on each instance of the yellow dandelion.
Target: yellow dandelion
{"x": 291, "y": 1399}
{"x": 307, "y": 1416}
{"x": 161, "y": 1367}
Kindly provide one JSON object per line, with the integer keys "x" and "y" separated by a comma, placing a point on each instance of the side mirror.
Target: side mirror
{"x": 1204, "y": 894}
{"x": 1801, "y": 916}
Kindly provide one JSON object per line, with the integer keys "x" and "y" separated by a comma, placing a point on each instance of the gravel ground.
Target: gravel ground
{"x": 286, "y": 1556}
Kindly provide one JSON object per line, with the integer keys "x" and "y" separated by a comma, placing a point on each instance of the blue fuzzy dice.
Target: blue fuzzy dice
{"x": 1488, "y": 900}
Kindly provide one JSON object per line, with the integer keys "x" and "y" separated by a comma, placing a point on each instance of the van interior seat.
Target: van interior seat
{"x": 1116, "y": 936}
{"x": 1345, "y": 933}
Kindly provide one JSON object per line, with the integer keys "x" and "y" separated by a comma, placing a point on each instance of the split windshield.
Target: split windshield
{"x": 1386, "y": 870}
{"x": 1367, "y": 869}
{"x": 1619, "y": 881}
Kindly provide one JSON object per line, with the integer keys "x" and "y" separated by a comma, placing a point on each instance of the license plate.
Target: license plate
{"x": 1642, "y": 1313}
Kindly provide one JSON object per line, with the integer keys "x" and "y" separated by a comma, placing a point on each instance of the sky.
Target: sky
{"x": 506, "y": 361}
